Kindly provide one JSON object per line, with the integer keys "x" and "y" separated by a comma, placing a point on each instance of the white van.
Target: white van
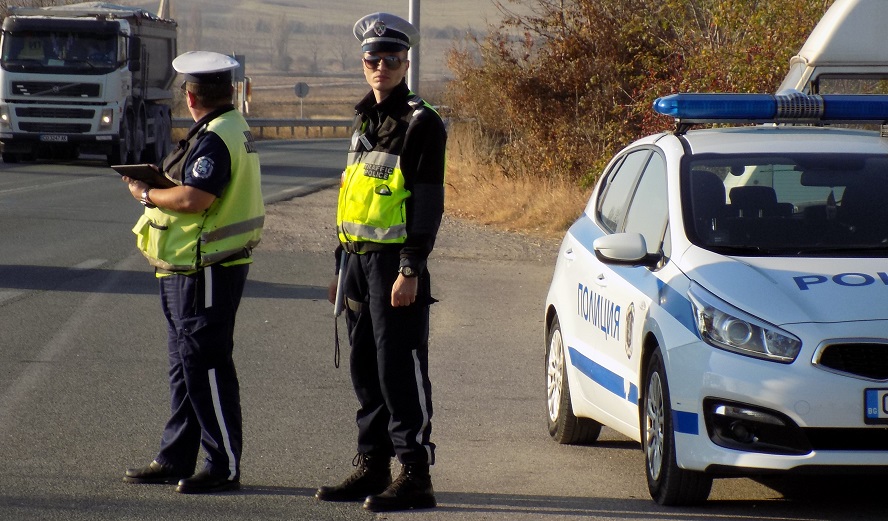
{"x": 845, "y": 53}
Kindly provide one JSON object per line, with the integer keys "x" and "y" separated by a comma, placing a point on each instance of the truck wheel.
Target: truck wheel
{"x": 668, "y": 484}
{"x": 9, "y": 157}
{"x": 155, "y": 152}
{"x": 121, "y": 151}
{"x": 138, "y": 135}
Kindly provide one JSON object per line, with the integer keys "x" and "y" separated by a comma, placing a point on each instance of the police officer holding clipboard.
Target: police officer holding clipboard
{"x": 198, "y": 235}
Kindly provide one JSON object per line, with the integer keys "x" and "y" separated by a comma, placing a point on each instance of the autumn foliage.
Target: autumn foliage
{"x": 577, "y": 84}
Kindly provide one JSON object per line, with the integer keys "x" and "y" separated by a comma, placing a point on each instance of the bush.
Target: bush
{"x": 578, "y": 82}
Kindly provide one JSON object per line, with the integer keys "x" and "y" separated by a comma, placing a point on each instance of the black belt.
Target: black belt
{"x": 242, "y": 254}
{"x": 365, "y": 247}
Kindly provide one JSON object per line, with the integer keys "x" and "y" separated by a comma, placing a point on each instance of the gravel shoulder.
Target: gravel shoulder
{"x": 307, "y": 224}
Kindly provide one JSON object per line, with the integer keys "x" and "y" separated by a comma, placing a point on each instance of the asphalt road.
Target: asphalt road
{"x": 83, "y": 391}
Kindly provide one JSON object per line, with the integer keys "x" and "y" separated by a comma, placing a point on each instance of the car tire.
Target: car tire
{"x": 564, "y": 427}
{"x": 668, "y": 484}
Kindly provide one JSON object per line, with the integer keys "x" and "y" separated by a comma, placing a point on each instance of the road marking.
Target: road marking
{"x": 9, "y": 295}
{"x": 24, "y": 385}
{"x": 48, "y": 185}
{"x": 89, "y": 264}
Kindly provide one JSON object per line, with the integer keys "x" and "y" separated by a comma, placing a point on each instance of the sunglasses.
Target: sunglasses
{"x": 392, "y": 62}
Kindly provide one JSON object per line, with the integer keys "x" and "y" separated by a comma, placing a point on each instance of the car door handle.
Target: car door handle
{"x": 600, "y": 280}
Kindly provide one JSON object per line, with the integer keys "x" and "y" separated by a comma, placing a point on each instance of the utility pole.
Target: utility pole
{"x": 413, "y": 53}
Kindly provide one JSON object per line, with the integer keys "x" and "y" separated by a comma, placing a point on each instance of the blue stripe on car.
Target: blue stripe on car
{"x": 598, "y": 373}
{"x": 685, "y": 422}
{"x": 676, "y": 304}
{"x": 604, "y": 377}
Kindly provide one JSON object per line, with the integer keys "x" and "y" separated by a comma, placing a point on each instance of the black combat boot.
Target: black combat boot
{"x": 412, "y": 490}
{"x": 372, "y": 475}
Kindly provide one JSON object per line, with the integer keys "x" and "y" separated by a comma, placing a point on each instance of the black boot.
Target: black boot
{"x": 412, "y": 490}
{"x": 372, "y": 475}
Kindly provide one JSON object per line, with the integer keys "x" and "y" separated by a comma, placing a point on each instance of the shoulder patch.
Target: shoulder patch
{"x": 203, "y": 167}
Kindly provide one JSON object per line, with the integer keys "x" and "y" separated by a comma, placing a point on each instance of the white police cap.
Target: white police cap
{"x": 385, "y": 32}
{"x": 205, "y": 66}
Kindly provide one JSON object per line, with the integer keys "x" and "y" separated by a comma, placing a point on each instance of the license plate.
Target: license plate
{"x": 54, "y": 138}
{"x": 875, "y": 406}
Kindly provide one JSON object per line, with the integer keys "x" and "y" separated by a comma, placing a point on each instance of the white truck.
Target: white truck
{"x": 845, "y": 53}
{"x": 90, "y": 78}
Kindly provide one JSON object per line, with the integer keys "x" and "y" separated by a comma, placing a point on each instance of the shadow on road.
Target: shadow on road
{"x": 51, "y": 278}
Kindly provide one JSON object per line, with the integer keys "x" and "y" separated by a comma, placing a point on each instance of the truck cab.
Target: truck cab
{"x": 86, "y": 78}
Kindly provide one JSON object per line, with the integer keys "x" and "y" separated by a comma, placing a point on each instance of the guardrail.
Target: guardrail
{"x": 279, "y": 123}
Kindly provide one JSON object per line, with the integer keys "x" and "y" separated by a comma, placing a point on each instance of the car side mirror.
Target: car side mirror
{"x": 625, "y": 249}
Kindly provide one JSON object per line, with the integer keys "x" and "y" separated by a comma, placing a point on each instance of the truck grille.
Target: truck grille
{"x": 55, "y": 89}
{"x": 55, "y": 128}
{"x": 54, "y": 112}
{"x": 864, "y": 359}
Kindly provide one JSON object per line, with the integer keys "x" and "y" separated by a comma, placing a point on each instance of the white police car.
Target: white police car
{"x": 722, "y": 299}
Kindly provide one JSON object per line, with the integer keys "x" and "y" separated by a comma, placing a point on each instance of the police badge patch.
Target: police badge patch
{"x": 203, "y": 167}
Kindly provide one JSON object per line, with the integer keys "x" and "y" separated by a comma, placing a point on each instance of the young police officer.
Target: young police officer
{"x": 390, "y": 206}
{"x": 199, "y": 236}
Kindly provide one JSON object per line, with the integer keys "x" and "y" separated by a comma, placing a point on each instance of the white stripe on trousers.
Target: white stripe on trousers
{"x": 208, "y": 287}
{"x": 420, "y": 392}
{"x": 226, "y": 441}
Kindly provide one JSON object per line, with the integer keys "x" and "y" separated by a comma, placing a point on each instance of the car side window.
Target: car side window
{"x": 617, "y": 189}
{"x": 648, "y": 211}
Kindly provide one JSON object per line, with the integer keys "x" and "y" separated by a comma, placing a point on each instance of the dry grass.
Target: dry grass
{"x": 478, "y": 190}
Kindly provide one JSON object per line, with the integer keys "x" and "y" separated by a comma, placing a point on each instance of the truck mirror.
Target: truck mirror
{"x": 134, "y": 53}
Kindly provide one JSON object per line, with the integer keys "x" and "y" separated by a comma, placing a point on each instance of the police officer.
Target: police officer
{"x": 199, "y": 236}
{"x": 390, "y": 205}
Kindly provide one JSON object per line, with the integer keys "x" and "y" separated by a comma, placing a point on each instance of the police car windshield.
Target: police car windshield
{"x": 817, "y": 204}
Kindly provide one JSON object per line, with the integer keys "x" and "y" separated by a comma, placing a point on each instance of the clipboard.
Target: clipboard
{"x": 147, "y": 173}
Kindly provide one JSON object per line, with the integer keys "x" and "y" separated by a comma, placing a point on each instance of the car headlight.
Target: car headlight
{"x": 726, "y": 327}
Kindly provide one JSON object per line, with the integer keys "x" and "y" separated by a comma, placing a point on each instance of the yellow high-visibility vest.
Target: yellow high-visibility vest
{"x": 231, "y": 226}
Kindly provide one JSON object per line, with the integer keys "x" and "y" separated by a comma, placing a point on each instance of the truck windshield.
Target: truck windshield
{"x": 58, "y": 52}
{"x": 800, "y": 204}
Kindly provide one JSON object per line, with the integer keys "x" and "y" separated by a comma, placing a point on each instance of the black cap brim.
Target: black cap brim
{"x": 217, "y": 78}
{"x": 383, "y": 47}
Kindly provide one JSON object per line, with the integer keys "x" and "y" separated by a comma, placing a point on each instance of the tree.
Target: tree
{"x": 280, "y": 41}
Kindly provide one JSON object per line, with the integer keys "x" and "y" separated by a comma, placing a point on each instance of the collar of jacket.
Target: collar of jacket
{"x": 397, "y": 96}
{"x": 199, "y": 124}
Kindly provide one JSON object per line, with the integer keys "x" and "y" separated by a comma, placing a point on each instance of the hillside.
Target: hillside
{"x": 318, "y": 47}
{"x": 320, "y": 39}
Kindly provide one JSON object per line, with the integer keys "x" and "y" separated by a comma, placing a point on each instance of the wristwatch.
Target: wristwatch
{"x": 407, "y": 271}
{"x": 145, "y": 201}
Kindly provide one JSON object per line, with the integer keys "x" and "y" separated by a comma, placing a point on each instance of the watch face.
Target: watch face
{"x": 407, "y": 271}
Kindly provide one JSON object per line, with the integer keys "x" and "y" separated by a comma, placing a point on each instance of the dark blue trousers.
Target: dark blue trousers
{"x": 205, "y": 406}
{"x": 389, "y": 360}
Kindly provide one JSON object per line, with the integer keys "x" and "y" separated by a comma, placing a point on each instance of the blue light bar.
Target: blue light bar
{"x": 717, "y": 106}
{"x": 790, "y": 107}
